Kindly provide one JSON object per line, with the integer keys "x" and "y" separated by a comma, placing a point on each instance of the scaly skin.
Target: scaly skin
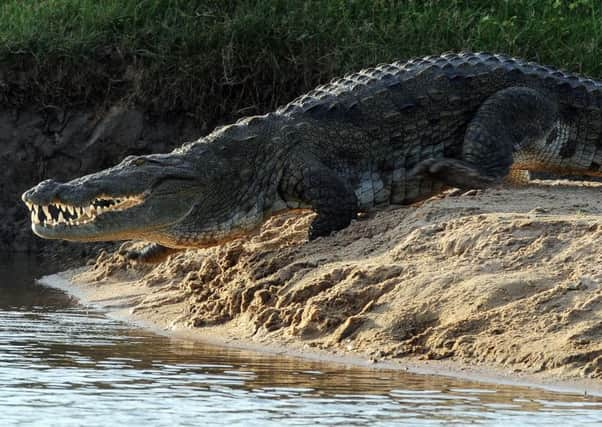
{"x": 393, "y": 134}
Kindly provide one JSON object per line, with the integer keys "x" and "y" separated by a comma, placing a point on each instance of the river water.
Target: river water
{"x": 62, "y": 364}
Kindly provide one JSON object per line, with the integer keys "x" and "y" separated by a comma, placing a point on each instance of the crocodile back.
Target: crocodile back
{"x": 376, "y": 125}
{"x": 579, "y": 91}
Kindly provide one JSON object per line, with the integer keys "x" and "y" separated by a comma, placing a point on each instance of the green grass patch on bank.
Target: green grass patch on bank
{"x": 217, "y": 60}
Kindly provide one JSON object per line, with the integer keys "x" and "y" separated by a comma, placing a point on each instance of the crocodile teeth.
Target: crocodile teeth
{"x": 59, "y": 213}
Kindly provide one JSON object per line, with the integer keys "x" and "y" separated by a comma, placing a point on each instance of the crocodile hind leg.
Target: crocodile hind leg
{"x": 507, "y": 121}
{"x": 150, "y": 254}
{"x": 313, "y": 184}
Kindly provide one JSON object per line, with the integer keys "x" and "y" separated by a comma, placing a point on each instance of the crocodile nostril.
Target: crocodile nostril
{"x": 46, "y": 183}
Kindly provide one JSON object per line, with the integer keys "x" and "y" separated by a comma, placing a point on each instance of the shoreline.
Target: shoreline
{"x": 500, "y": 286}
{"x": 119, "y": 306}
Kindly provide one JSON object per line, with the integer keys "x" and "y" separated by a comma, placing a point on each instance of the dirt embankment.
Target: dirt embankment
{"x": 510, "y": 278}
{"x": 51, "y": 142}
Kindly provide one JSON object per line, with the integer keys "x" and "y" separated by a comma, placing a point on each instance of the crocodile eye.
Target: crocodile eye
{"x": 139, "y": 162}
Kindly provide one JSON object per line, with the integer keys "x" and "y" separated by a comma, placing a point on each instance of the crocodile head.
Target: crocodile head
{"x": 186, "y": 198}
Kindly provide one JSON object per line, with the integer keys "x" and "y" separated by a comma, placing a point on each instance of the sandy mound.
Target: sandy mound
{"x": 508, "y": 277}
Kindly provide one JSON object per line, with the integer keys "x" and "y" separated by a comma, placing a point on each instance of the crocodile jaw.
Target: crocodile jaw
{"x": 61, "y": 220}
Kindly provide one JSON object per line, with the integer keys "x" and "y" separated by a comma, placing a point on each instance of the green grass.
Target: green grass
{"x": 216, "y": 60}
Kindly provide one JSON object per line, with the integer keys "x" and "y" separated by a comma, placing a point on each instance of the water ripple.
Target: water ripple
{"x": 66, "y": 365}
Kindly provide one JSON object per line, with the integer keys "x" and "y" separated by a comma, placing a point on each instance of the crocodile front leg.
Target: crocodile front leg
{"x": 150, "y": 254}
{"x": 508, "y": 120}
{"x": 309, "y": 182}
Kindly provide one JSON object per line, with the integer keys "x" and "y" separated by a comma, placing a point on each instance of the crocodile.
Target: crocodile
{"x": 394, "y": 134}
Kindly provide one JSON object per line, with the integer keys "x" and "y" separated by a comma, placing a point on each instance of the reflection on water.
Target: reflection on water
{"x": 61, "y": 364}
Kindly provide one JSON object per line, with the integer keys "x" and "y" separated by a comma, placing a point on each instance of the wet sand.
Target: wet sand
{"x": 503, "y": 285}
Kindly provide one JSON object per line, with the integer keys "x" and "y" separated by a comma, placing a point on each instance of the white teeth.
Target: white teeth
{"x": 79, "y": 215}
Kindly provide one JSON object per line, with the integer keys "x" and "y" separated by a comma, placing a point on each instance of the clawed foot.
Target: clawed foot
{"x": 150, "y": 254}
{"x": 452, "y": 172}
{"x": 325, "y": 225}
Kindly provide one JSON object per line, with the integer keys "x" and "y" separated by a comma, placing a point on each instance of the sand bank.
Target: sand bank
{"x": 505, "y": 282}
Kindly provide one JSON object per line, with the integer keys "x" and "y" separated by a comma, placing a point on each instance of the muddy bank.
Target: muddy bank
{"x": 507, "y": 278}
{"x": 54, "y": 143}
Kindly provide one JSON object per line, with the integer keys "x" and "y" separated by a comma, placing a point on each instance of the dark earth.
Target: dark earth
{"x": 41, "y": 143}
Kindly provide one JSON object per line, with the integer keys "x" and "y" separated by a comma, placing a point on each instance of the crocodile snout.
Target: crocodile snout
{"x": 43, "y": 193}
